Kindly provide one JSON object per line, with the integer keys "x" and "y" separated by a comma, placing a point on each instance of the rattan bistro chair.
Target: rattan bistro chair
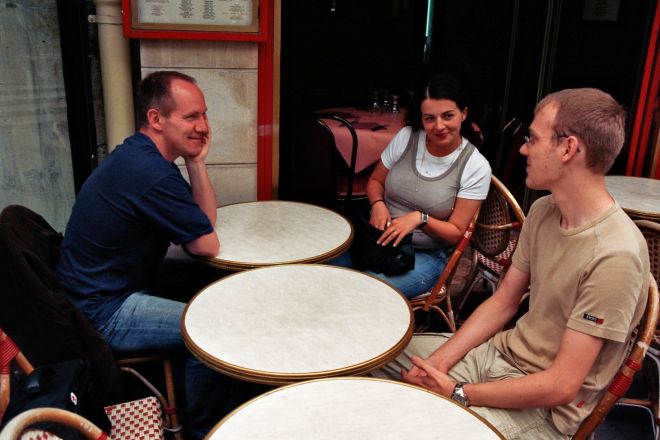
{"x": 347, "y": 184}
{"x": 36, "y": 313}
{"x": 439, "y": 298}
{"x": 648, "y": 393}
{"x": 631, "y": 365}
{"x": 20, "y": 425}
{"x": 651, "y": 232}
{"x": 495, "y": 238}
{"x": 327, "y": 179}
{"x": 148, "y": 417}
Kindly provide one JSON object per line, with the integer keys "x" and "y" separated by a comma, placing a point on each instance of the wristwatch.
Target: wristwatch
{"x": 458, "y": 395}
{"x": 424, "y": 218}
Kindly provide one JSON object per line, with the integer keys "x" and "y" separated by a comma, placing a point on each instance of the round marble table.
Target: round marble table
{"x": 638, "y": 196}
{"x": 281, "y": 324}
{"x": 352, "y": 408}
{"x": 258, "y": 234}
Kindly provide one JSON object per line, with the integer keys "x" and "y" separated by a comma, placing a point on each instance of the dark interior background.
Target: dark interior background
{"x": 508, "y": 53}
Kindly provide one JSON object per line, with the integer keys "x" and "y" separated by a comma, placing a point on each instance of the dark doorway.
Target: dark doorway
{"x": 334, "y": 53}
{"x": 508, "y": 53}
{"x": 79, "y": 52}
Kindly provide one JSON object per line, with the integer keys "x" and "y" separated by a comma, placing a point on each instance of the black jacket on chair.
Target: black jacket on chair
{"x": 34, "y": 309}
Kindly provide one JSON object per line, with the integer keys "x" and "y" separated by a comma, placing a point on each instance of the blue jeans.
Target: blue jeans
{"x": 147, "y": 323}
{"x": 429, "y": 265}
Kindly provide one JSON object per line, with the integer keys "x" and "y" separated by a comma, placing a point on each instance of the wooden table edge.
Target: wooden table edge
{"x": 273, "y": 378}
{"x": 374, "y": 379}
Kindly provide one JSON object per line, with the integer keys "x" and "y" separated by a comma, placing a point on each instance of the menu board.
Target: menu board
{"x": 201, "y": 19}
{"x": 215, "y": 12}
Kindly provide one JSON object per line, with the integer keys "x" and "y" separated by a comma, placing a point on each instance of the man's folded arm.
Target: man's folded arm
{"x": 488, "y": 319}
{"x": 206, "y": 245}
{"x": 558, "y": 385}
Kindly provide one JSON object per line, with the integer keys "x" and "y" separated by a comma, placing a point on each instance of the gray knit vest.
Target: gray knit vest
{"x": 406, "y": 189}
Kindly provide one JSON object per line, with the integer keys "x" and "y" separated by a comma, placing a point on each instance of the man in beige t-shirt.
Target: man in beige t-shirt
{"x": 587, "y": 268}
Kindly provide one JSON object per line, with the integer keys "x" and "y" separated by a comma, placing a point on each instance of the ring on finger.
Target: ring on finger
{"x": 388, "y": 224}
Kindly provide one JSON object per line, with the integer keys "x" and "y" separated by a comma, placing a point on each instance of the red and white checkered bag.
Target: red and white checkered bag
{"x": 136, "y": 420}
{"x": 139, "y": 419}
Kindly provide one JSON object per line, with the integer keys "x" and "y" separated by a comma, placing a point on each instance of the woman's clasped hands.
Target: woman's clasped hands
{"x": 394, "y": 229}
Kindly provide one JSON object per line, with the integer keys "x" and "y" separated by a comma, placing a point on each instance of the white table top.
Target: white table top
{"x": 639, "y": 196}
{"x": 352, "y": 408}
{"x": 257, "y": 234}
{"x": 281, "y": 324}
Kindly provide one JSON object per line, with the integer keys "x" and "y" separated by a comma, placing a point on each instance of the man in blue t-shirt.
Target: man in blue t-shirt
{"x": 128, "y": 212}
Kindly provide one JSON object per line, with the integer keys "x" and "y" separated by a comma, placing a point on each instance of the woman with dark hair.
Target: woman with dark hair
{"x": 447, "y": 87}
{"x": 430, "y": 181}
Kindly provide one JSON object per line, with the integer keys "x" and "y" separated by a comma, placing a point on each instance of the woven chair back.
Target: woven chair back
{"x": 651, "y": 232}
{"x": 492, "y": 241}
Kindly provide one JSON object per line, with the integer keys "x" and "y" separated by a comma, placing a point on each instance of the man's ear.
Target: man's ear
{"x": 154, "y": 119}
{"x": 571, "y": 147}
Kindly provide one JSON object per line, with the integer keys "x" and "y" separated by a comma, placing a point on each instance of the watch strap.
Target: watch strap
{"x": 424, "y": 219}
{"x": 459, "y": 395}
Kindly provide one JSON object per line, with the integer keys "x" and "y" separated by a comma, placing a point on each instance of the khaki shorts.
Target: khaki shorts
{"x": 482, "y": 364}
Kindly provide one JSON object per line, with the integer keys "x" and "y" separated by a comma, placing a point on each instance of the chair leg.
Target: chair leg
{"x": 483, "y": 276}
{"x": 466, "y": 293}
{"x": 173, "y": 424}
{"x": 651, "y": 373}
{"x": 448, "y": 317}
{"x": 469, "y": 283}
{"x": 423, "y": 327}
{"x": 168, "y": 403}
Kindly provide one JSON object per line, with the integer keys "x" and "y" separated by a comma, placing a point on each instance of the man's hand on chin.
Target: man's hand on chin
{"x": 201, "y": 156}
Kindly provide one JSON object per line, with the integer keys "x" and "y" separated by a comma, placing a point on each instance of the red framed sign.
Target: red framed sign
{"x": 236, "y": 20}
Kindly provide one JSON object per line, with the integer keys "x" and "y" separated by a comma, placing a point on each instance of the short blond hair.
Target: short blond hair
{"x": 595, "y": 118}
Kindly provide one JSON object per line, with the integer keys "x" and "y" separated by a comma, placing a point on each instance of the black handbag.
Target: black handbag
{"x": 367, "y": 254}
{"x": 66, "y": 385}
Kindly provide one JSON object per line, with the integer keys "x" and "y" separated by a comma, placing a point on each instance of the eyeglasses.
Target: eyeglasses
{"x": 531, "y": 139}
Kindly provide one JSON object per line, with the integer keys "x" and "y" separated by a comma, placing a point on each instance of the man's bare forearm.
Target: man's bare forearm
{"x": 202, "y": 190}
